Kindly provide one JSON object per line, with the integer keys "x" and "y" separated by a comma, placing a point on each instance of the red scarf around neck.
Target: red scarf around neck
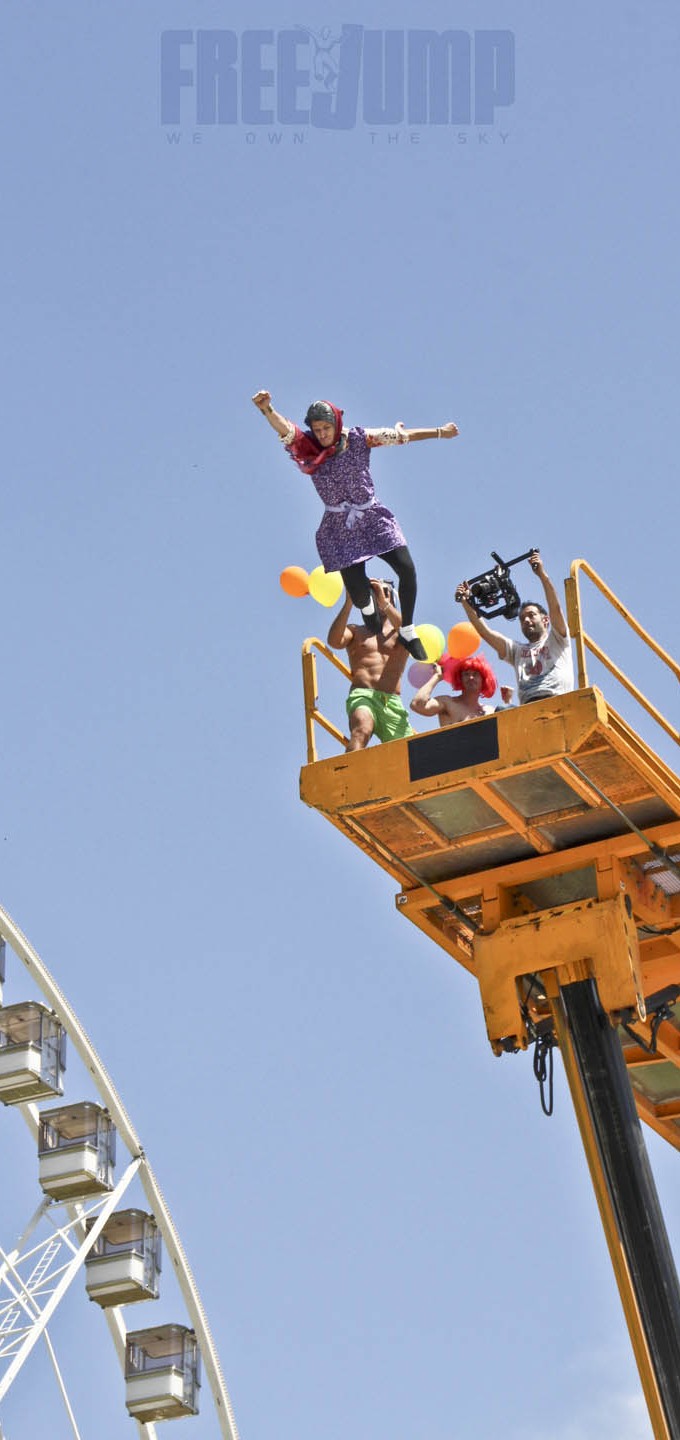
{"x": 308, "y": 452}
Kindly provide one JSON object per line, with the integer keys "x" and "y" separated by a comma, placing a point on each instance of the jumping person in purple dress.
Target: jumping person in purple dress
{"x": 355, "y": 526}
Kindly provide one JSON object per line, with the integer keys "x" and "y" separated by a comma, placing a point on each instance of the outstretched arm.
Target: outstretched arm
{"x": 438, "y": 432}
{"x": 399, "y": 435}
{"x": 340, "y": 632}
{"x": 492, "y": 637}
{"x": 263, "y": 401}
{"x": 557, "y": 619}
{"x": 424, "y": 702}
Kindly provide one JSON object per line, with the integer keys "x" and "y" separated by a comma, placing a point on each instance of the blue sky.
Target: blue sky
{"x": 389, "y": 1237}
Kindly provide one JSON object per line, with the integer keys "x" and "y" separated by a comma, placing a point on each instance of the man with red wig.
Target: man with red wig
{"x": 355, "y": 526}
{"x": 472, "y": 677}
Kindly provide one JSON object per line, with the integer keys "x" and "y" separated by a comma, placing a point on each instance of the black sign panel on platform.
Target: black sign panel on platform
{"x": 454, "y": 748}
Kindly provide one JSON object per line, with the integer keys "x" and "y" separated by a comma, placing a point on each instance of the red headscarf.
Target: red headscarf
{"x": 308, "y": 452}
{"x": 452, "y": 671}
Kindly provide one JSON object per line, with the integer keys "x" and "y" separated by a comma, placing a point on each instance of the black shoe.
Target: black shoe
{"x": 415, "y": 647}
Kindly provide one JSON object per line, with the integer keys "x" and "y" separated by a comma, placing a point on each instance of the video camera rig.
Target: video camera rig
{"x": 494, "y": 585}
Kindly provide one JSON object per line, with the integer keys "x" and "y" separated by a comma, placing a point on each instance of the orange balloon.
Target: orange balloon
{"x": 294, "y": 580}
{"x": 463, "y": 640}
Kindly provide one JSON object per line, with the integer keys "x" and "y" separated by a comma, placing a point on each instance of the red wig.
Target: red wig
{"x": 452, "y": 671}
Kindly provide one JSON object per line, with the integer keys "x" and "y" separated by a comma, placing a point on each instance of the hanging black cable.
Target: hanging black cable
{"x": 663, "y": 1012}
{"x": 543, "y": 1069}
{"x": 542, "y": 1036}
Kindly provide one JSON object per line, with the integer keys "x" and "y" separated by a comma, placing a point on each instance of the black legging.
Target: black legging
{"x": 399, "y": 560}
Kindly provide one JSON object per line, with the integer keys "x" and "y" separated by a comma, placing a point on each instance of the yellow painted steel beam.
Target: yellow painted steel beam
{"x": 540, "y": 867}
{"x": 595, "y": 938}
{"x": 452, "y": 799}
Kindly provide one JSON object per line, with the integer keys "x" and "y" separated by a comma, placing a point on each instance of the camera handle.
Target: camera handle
{"x": 507, "y": 564}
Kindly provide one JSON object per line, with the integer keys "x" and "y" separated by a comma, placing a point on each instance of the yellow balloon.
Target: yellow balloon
{"x": 432, "y": 639}
{"x": 326, "y": 588}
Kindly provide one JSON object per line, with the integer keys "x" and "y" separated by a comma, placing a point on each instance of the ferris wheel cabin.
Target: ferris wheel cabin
{"x": 124, "y": 1263}
{"x": 76, "y": 1150}
{"x": 32, "y": 1053}
{"x": 162, "y": 1373}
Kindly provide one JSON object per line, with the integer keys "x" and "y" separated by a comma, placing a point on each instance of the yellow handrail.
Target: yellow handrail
{"x": 584, "y": 641}
{"x": 312, "y": 713}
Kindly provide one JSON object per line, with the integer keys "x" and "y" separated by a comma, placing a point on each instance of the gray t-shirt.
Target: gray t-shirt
{"x": 545, "y": 668}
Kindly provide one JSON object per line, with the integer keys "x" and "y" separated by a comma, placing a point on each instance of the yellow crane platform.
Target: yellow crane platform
{"x": 506, "y": 818}
{"x": 540, "y": 848}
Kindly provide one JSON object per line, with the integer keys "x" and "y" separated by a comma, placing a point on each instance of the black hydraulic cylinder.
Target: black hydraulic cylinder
{"x": 632, "y": 1191}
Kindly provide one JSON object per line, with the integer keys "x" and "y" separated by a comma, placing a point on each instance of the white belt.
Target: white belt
{"x": 350, "y": 510}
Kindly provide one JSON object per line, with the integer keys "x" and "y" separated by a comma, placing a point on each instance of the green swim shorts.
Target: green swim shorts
{"x": 390, "y": 718}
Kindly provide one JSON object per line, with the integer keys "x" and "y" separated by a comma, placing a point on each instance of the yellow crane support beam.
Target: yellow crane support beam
{"x": 540, "y": 848}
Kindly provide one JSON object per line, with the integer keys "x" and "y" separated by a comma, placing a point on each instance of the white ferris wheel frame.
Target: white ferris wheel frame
{"x": 139, "y": 1165}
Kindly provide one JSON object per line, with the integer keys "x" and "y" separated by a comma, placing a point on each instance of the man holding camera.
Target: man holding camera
{"x": 543, "y": 664}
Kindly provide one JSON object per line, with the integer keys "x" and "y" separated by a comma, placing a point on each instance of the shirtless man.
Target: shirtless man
{"x": 476, "y": 681}
{"x": 377, "y": 663}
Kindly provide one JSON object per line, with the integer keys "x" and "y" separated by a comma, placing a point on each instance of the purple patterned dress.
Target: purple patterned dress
{"x": 355, "y": 526}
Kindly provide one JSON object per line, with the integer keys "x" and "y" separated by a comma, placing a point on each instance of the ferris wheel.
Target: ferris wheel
{"x": 92, "y": 1220}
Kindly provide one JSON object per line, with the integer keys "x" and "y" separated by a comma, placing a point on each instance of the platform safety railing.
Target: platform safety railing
{"x": 584, "y": 641}
{"x": 313, "y": 715}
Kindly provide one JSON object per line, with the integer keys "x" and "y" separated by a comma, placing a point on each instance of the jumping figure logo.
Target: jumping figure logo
{"x": 328, "y": 81}
{"x": 325, "y": 68}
